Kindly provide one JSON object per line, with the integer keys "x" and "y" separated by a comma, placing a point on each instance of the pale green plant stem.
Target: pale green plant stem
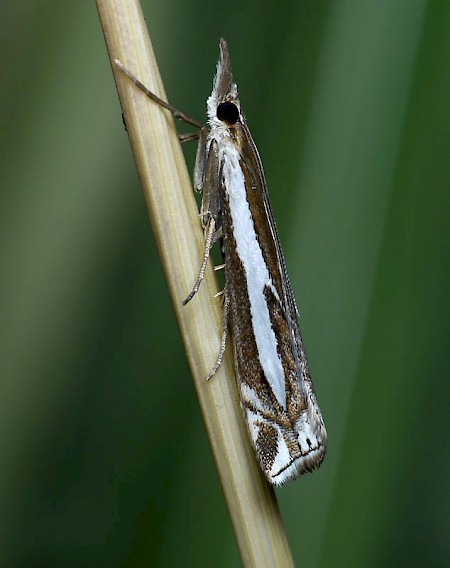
{"x": 176, "y": 225}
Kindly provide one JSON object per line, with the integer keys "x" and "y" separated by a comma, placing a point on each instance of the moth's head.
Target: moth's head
{"x": 223, "y": 104}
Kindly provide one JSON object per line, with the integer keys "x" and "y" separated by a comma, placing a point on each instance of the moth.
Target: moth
{"x": 276, "y": 392}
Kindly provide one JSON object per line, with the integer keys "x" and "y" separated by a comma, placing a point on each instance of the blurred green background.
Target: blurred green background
{"x": 103, "y": 457}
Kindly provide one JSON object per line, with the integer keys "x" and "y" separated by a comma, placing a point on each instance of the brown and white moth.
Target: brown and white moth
{"x": 276, "y": 392}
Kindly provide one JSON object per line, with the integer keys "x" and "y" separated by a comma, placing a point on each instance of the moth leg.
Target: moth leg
{"x": 211, "y": 238}
{"x": 207, "y": 179}
{"x": 223, "y": 341}
{"x": 219, "y": 267}
{"x": 202, "y": 160}
{"x": 174, "y": 111}
{"x": 188, "y": 137}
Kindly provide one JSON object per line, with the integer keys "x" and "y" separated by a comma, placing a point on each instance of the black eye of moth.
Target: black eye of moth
{"x": 228, "y": 112}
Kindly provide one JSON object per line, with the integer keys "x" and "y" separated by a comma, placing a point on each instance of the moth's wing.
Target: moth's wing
{"x": 252, "y": 159}
{"x": 250, "y": 155}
